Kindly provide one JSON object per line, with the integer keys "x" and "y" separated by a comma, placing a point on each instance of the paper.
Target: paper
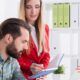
{"x": 53, "y": 65}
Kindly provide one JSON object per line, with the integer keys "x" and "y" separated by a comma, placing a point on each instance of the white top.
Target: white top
{"x": 34, "y": 36}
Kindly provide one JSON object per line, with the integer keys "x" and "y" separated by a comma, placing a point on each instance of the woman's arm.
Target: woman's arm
{"x": 25, "y": 65}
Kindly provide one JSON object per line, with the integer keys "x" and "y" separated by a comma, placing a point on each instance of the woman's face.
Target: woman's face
{"x": 32, "y": 10}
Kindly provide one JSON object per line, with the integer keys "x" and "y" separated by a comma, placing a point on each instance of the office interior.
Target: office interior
{"x": 63, "y": 18}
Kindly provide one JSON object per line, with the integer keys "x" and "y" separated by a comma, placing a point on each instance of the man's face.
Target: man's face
{"x": 19, "y": 44}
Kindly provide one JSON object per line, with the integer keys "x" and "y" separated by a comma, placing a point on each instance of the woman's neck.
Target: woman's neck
{"x": 32, "y": 23}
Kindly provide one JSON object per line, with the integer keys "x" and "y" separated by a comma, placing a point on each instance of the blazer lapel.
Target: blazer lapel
{"x": 33, "y": 43}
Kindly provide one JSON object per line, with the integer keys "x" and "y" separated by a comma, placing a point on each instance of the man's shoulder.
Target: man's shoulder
{"x": 14, "y": 61}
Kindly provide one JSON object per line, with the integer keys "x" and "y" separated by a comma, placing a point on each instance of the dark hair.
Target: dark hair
{"x": 12, "y": 26}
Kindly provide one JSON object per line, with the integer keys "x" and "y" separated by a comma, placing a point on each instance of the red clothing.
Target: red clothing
{"x": 26, "y": 60}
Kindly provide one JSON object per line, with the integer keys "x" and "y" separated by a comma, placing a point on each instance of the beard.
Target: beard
{"x": 12, "y": 51}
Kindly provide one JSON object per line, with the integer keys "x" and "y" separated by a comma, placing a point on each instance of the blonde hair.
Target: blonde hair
{"x": 39, "y": 30}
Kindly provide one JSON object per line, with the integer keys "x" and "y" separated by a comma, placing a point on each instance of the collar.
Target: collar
{"x": 2, "y": 60}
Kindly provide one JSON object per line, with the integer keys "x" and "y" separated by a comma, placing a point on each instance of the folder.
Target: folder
{"x": 40, "y": 74}
{"x": 74, "y": 8}
{"x": 51, "y": 68}
{"x": 54, "y": 14}
{"x": 79, "y": 15}
{"x": 60, "y": 15}
{"x": 66, "y": 12}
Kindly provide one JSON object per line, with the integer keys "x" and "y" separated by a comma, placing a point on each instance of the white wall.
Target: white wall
{"x": 8, "y": 8}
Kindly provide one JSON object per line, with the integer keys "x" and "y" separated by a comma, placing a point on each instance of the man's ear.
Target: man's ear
{"x": 8, "y": 38}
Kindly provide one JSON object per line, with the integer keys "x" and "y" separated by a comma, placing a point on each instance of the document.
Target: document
{"x": 53, "y": 65}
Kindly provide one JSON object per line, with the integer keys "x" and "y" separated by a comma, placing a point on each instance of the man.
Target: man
{"x": 14, "y": 37}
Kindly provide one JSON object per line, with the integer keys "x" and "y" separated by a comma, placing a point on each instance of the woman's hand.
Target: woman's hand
{"x": 35, "y": 68}
{"x": 42, "y": 78}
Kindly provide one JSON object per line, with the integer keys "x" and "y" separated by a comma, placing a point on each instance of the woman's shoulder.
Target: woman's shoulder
{"x": 47, "y": 28}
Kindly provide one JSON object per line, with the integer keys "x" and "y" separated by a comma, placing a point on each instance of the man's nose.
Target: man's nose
{"x": 25, "y": 46}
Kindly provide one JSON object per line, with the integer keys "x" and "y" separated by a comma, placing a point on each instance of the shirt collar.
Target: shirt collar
{"x": 2, "y": 60}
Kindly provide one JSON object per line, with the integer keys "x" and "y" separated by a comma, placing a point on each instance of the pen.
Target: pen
{"x": 60, "y": 59}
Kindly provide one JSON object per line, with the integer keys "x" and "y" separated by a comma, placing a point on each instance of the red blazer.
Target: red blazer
{"x": 26, "y": 60}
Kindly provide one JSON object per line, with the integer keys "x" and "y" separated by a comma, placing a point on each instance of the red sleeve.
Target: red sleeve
{"x": 46, "y": 39}
{"x": 46, "y": 54}
{"x": 47, "y": 30}
{"x": 24, "y": 63}
{"x": 45, "y": 60}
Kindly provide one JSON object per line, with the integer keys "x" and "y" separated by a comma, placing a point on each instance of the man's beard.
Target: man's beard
{"x": 12, "y": 51}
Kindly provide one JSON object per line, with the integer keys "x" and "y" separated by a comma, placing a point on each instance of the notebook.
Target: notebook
{"x": 53, "y": 65}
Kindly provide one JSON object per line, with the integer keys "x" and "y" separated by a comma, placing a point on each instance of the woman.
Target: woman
{"x": 37, "y": 58}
